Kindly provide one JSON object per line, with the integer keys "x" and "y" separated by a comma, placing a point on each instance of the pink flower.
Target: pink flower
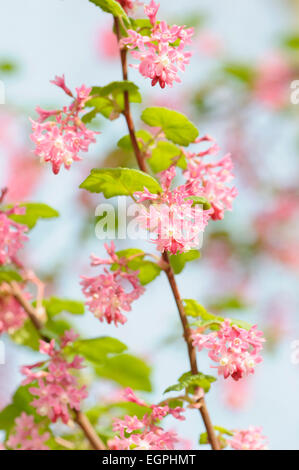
{"x": 236, "y": 350}
{"x": 12, "y": 236}
{"x": 110, "y": 293}
{"x": 106, "y": 43}
{"x": 128, "y": 5}
{"x": 60, "y": 140}
{"x": 149, "y": 435}
{"x": 27, "y": 435}
{"x": 57, "y": 390}
{"x": 213, "y": 177}
{"x": 175, "y": 224}
{"x": 161, "y": 55}
{"x": 250, "y": 439}
{"x": 12, "y": 314}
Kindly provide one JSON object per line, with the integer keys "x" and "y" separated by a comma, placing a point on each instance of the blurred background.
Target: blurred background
{"x": 237, "y": 89}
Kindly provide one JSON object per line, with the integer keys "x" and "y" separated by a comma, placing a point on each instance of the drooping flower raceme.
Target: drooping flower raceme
{"x": 12, "y": 235}
{"x": 27, "y": 435}
{"x": 235, "y": 349}
{"x": 112, "y": 292}
{"x": 161, "y": 55}
{"x": 57, "y": 390}
{"x": 213, "y": 177}
{"x": 60, "y": 139}
{"x": 249, "y": 439}
{"x": 145, "y": 434}
{"x": 171, "y": 217}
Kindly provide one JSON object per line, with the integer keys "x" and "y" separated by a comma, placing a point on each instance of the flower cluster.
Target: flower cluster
{"x": 235, "y": 349}
{"x": 27, "y": 435}
{"x": 60, "y": 139}
{"x": 161, "y": 55}
{"x": 145, "y": 434}
{"x": 213, "y": 177}
{"x": 12, "y": 314}
{"x": 113, "y": 291}
{"x": 12, "y": 236}
{"x": 57, "y": 389}
{"x": 249, "y": 439}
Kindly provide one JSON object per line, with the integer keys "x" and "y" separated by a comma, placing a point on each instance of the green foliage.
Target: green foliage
{"x": 176, "y": 126}
{"x": 127, "y": 371}
{"x": 203, "y": 439}
{"x": 228, "y": 303}
{"x": 113, "y": 7}
{"x": 200, "y": 200}
{"x": 147, "y": 270}
{"x": 189, "y": 383}
{"x": 126, "y": 144}
{"x": 55, "y": 305}
{"x": 8, "y": 275}
{"x": 20, "y": 403}
{"x": 291, "y": 42}
{"x": 119, "y": 182}
{"x": 241, "y": 72}
{"x": 179, "y": 261}
{"x": 26, "y": 336}
{"x": 194, "y": 309}
{"x": 34, "y": 212}
{"x": 8, "y": 67}
{"x": 97, "y": 350}
{"x": 109, "y": 100}
{"x": 164, "y": 155}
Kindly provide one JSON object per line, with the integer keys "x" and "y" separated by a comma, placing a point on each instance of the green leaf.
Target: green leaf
{"x": 176, "y": 126}
{"x": 142, "y": 135}
{"x": 26, "y": 336}
{"x": 127, "y": 371}
{"x": 189, "y": 382}
{"x": 194, "y": 309}
{"x": 55, "y": 305}
{"x": 97, "y": 350}
{"x": 109, "y": 100}
{"x": 203, "y": 439}
{"x": 6, "y": 66}
{"x": 34, "y": 211}
{"x": 148, "y": 270}
{"x": 178, "y": 261}
{"x": 228, "y": 303}
{"x": 200, "y": 200}
{"x": 291, "y": 42}
{"x": 113, "y": 7}
{"x": 163, "y": 156}
{"x": 8, "y": 275}
{"x": 119, "y": 182}
{"x": 241, "y": 72}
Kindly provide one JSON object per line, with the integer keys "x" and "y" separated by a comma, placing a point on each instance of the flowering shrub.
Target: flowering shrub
{"x": 179, "y": 192}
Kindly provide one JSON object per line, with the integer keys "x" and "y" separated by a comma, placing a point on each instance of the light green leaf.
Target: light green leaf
{"x": 242, "y": 72}
{"x": 127, "y": 371}
{"x": 200, "y": 200}
{"x": 176, "y": 126}
{"x": 26, "y": 336}
{"x": 189, "y": 382}
{"x": 55, "y": 305}
{"x": 179, "y": 261}
{"x": 148, "y": 270}
{"x": 119, "y": 182}
{"x": 163, "y": 156}
{"x": 8, "y": 275}
{"x": 113, "y": 7}
{"x": 97, "y": 350}
{"x": 291, "y": 42}
{"x": 142, "y": 135}
{"x": 34, "y": 211}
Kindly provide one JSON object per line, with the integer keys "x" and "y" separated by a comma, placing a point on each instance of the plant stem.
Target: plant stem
{"x": 169, "y": 271}
{"x": 81, "y": 419}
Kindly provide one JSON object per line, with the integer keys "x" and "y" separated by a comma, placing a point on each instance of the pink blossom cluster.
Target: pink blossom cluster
{"x": 129, "y": 5}
{"x": 161, "y": 55}
{"x": 145, "y": 434}
{"x": 57, "y": 390}
{"x": 27, "y": 435}
{"x": 171, "y": 217}
{"x": 12, "y": 235}
{"x": 113, "y": 291}
{"x": 235, "y": 349}
{"x": 12, "y": 314}
{"x": 249, "y": 439}
{"x": 213, "y": 177}
{"x": 60, "y": 139}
